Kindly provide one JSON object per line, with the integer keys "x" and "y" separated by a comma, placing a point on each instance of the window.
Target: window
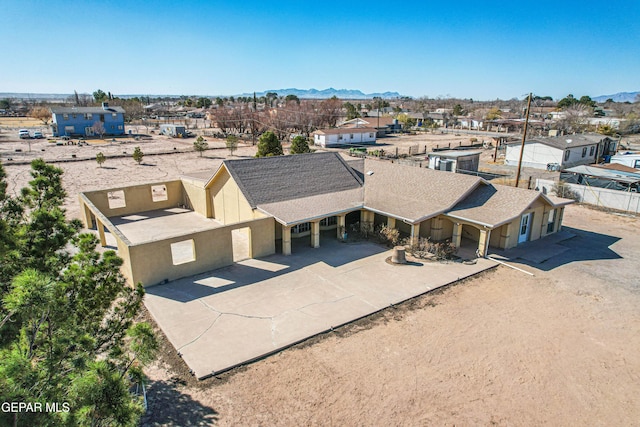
{"x": 119, "y": 127}
{"x": 88, "y": 116}
{"x": 65, "y": 117}
{"x": 301, "y": 228}
{"x": 73, "y": 115}
{"x": 584, "y": 151}
{"x": 339, "y": 137}
{"x": 159, "y": 193}
{"x": 116, "y": 199}
{"x": 101, "y": 117}
{"x": 114, "y": 116}
{"x": 371, "y": 135}
{"x": 183, "y": 252}
{"x": 591, "y": 151}
{"x": 332, "y": 220}
{"x": 566, "y": 155}
{"x": 351, "y": 135}
{"x": 552, "y": 221}
{"x": 636, "y": 165}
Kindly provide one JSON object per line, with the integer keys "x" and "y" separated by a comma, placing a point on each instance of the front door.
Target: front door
{"x": 525, "y": 228}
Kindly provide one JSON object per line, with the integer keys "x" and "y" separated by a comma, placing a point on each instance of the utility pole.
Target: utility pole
{"x": 524, "y": 137}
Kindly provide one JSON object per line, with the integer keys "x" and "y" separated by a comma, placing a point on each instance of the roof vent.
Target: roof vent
{"x": 569, "y": 141}
{"x": 370, "y": 173}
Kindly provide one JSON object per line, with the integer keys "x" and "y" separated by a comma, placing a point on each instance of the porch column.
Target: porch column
{"x": 456, "y": 239}
{"x": 286, "y": 240}
{"x": 315, "y": 234}
{"x": 100, "y": 227}
{"x": 560, "y": 215}
{"x": 391, "y": 222}
{"x": 436, "y": 229}
{"x": 341, "y": 228}
{"x": 88, "y": 216}
{"x": 415, "y": 233}
{"x": 483, "y": 243}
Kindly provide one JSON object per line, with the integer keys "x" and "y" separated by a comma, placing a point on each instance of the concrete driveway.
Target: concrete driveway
{"x": 256, "y": 307}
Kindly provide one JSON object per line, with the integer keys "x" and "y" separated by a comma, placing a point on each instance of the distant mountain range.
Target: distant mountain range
{"x": 618, "y": 97}
{"x": 300, "y": 93}
{"x": 327, "y": 93}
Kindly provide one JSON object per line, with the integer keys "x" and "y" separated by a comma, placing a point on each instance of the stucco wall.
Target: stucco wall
{"x": 152, "y": 263}
{"x": 196, "y": 197}
{"x": 138, "y": 198}
{"x": 229, "y": 205}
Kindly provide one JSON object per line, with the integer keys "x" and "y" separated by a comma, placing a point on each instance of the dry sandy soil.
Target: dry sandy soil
{"x": 558, "y": 348}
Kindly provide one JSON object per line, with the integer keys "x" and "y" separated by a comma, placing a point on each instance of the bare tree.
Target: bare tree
{"x": 41, "y": 113}
{"x": 98, "y": 129}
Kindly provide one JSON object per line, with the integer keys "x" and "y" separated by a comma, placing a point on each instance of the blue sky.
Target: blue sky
{"x": 471, "y": 49}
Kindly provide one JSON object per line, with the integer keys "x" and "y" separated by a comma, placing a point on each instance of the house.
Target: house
{"x": 254, "y": 207}
{"x": 87, "y": 121}
{"x": 344, "y": 136}
{"x": 563, "y": 151}
{"x": 383, "y": 125}
{"x": 631, "y": 160}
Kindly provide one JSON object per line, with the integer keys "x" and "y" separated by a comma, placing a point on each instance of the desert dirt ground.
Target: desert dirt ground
{"x": 558, "y": 348}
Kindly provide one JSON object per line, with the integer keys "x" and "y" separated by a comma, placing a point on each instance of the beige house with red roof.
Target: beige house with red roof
{"x": 169, "y": 230}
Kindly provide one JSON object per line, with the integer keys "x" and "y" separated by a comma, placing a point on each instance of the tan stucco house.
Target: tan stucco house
{"x": 165, "y": 231}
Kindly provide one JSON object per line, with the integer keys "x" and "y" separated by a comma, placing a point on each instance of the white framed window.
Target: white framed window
{"x": 552, "y": 221}
{"x": 584, "y": 151}
{"x": 591, "y": 151}
{"x": 301, "y": 228}
{"x": 332, "y": 220}
{"x": 65, "y": 117}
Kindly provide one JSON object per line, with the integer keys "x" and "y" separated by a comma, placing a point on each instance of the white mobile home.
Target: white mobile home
{"x": 564, "y": 151}
{"x": 346, "y": 136}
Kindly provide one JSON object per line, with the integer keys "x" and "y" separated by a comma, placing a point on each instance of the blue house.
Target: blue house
{"x": 87, "y": 121}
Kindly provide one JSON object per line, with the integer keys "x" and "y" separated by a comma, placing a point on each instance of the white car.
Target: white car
{"x": 24, "y": 134}
{"x": 38, "y": 135}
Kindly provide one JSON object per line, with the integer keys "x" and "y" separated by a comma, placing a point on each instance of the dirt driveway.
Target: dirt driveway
{"x": 557, "y": 348}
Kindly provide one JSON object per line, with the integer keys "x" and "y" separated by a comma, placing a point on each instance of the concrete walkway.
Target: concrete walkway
{"x": 256, "y": 307}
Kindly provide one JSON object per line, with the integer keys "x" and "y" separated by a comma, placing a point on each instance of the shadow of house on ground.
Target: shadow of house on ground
{"x": 249, "y": 272}
{"x": 168, "y": 406}
{"x": 571, "y": 246}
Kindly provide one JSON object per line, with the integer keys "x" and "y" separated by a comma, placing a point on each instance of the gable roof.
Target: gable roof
{"x": 565, "y": 141}
{"x": 494, "y": 205}
{"x": 280, "y": 178}
{"x": 83, "y": 110}
{"x": 335, "y": 131}
{"x": 413, "y": 193}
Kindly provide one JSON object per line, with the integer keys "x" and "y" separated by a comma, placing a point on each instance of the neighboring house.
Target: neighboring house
{"x": 631, "y": 160}
{"x": 168, "y": 230}
{"x": 344, "y": 136}
{"x": 383, "y": 125}
{"x": 83, "y": 121}
{"x": 563, "y": 151}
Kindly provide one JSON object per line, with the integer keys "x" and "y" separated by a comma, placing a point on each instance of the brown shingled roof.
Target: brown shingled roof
{"x": 494, "y": 205}
{"x": 413, "y": 193}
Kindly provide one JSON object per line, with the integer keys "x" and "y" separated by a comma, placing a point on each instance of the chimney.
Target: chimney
{"x": 105, "y": 105}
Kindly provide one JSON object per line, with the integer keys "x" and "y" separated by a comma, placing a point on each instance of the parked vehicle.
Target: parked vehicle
{"x": 38, "y": 135}
{"x": 24, "y": 134}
